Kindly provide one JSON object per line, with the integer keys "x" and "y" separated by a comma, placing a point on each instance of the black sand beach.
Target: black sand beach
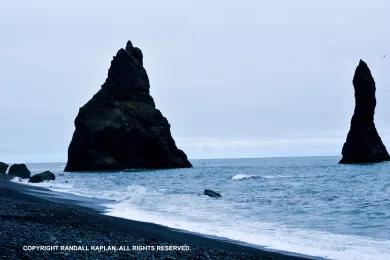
{"x": 33, "y": 220}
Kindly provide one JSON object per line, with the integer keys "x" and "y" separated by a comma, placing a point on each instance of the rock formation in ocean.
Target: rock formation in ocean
{"x": 363, "y": 144}
{"x": 212, "y": 193}
{"x": 19, "y": 170}
{"x": 120, "y": 127}
{"x": 43, "y": 176}
{"x": 3, "y": 168}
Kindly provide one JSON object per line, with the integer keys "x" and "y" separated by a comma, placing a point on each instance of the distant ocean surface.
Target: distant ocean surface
{"x": 308, "y": 205}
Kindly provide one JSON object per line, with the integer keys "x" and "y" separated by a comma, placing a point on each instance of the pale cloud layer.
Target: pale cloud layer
{"x": 234, "y": 78}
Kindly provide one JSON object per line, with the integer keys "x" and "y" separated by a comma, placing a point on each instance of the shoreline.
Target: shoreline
{"x": 36, "y": 216}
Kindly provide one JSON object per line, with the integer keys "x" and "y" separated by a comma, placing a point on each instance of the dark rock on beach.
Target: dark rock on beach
{"x": 120, "y": 127}
{"x": 43, "y": 176}
{"x": 363, "y": 144}
{"x": 211, "y": 193}
{"x": 3, "y": 168}
{"x": 19, "y": 170}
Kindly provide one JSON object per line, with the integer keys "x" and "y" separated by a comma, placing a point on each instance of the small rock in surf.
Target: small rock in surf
{"x": 212, "y": 193}
{"x": 43, "y": 176}
{"x": 3, "y": 167}
{"x": 19, "y": 170}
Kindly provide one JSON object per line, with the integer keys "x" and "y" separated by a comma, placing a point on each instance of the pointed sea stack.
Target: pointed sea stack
{"x": 120, "y": 127}
{"x": 363, "y": 143}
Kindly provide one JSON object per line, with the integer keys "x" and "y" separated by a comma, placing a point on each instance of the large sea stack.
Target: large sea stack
{"x": 120, "y": 127}
{"x": 363, "y": 143}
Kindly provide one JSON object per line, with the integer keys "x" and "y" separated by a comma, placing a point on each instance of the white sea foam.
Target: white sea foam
{"x": 20, "y": 180}
{"x": 52, "y": 185}
{"x": 269, "y": 235}
{"x": 240, "y": 176}
{"x": 276, "y": 176}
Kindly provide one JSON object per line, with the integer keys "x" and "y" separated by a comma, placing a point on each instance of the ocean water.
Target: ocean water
{"x": 308, "y": 205}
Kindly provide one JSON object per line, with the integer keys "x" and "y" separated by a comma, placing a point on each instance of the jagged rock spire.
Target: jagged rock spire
{"x": 363, "y": 144}
{"x": 120, "y": 128}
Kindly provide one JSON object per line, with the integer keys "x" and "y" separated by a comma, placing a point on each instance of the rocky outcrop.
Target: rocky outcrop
{"x": 19, "y": 170}
{"x": 120, "y": 127}
{"x": 211, "y": 193}
{"x": 43, "y": 176}
{"x": 3, "y": 168}
{"x": 363, "y": 144}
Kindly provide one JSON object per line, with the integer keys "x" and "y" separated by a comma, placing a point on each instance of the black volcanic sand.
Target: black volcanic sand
{"x": 30, "y": 219}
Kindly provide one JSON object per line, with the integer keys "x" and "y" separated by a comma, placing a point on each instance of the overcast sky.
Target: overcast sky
{"x": 234, "y": 78}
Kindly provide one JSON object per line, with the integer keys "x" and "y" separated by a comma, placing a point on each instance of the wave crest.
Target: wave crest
{"x": 240, "y": 176}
